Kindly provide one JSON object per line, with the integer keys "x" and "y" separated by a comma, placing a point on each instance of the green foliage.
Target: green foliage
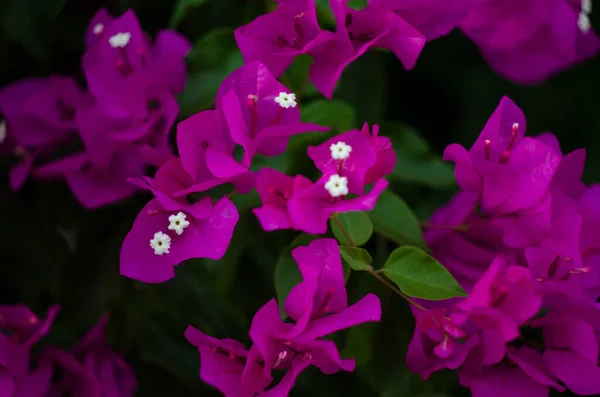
{"x": 212, "y": 58}
{"x": 287, "y": 274}
{"x": 415, "y": 161}
{"x": 357, "y": 225}
{"x": 335, "y": 114}
{"x": 24, "y": 22}
{"x": 393, "y": 219}
{"x": 357, "y": 258}
{"x": 181, "y": 8}
{"x": 419, "y": 275}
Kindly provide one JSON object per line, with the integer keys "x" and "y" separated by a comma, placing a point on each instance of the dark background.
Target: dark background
{"x": 53, "y": 251}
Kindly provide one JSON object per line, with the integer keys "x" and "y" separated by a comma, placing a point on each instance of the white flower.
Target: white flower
{"x": 98, "y": 28}
{"x": 178, "y": 223}
{"x": 160, "y": 243}
{"x": 340, "y": 151}
{"x": 583, "y": 22}
{"x": 586, "y": 7}
{"x": 2, "y": 131}
{"x": 337, "y": 185}
{"x": 286, "y": 100}
{"x": 119, "y": 40}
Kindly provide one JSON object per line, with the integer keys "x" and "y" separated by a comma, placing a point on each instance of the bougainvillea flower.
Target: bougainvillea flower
{"x": 433, "y": 18}
{"x": 438, "y": 343}
{"x": 568, "y": 176}
{"x": 96, "y": 186}
{"x": 503, "y": 299}
{"x": 555, "y": 272}
{"x": 359, "y": 156}
{"x": 260, "y": 112}
{"x": 569, "y": 332}
{"x": 168, "y": 231}
{"x": 198, "y": 134}
{"x": 529, "y": 41}
{"x": 114, "y": 374}
{"x": 511, "y": 172}
{"x": 275, "y": 189}
{"x": 36, "y": 383}
{"x": 386, "y": 155}
{"x": 72, "y": 376}
{"x": 554, "y": 223}
{"x": 206, "y": 150}
{"x": 502, "y": 380}
{"x": 281, "y": 351}
{"x": 21, "y": 329}
{"x": 278, "y": 37}
{"x": 311, "y": 207}
{"x": 97, "y": 27}
{"x": 104, "y": 134}
{"x": 462, "y": 240}
{"x": 358, "y": 31}
{"x": 323, "y": 290}
{"x": 93, "y": 365}
{"x": 39, "y": 113}
{"x": 124, "y": 61}
{"x": 350, "y": 154}
{"x": 222, "y": 363}
{"x": 590, "y": 239}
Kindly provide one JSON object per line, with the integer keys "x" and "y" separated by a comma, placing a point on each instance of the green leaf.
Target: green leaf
{"x": 287, "y": 274}
{"x": 419, "y": 275}
{"x": 357, "y": 225}
{"x": 416, "y": 163}
{"x": 298, "y": 78}
{"x": 336, "y": 114}
{"x": 25, "y": 22}
{"x": 213, "y": 57}
{"x": 359, "y": 343}
{"x": 324, "y": 12}
{"x": 357, "y": 258}
{"x": 172, "y": 355}
{"x": 393, "y": 219}
{"x": 364, "y": 86}
{"x": 181, "y": 8}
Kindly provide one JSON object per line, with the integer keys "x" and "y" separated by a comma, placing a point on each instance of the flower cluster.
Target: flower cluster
{"x": 529, "y": 41}
{"x": 523, "y": 237}
{"x": 525, "y": 42}
{"x": 318, "y": 307}
{"x": 127, "y": 111}
{"x": 255, "y": 113}
{"x": 348, "y": 161}
{"x": 91, "y": 369}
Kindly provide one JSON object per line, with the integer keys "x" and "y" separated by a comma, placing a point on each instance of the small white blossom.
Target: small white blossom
{"x": 340, "y": 151}
{"x": 337, "y": 185}
{"x": 160, "y": 243}
{"x": 178, "y": 223}
{"x": 583, "y": 22}
{"x": 286, "y": 100}
{"x": 119, "y": 40}
{"x": 586, "y": 7}
{"x": 98, "y": 28}
{"x": 2, "y": 131}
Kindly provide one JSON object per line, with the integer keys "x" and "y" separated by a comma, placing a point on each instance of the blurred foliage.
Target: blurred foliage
{"x": 53, "y": 251}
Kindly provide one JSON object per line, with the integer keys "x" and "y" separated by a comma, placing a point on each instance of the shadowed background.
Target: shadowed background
{"x": 53, "y": 251}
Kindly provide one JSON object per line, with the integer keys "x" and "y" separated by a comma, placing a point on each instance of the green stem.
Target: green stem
{"x": 343, "y": 229}
{"x": 396, "y": 290}
{"x": 375, "y": 273}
